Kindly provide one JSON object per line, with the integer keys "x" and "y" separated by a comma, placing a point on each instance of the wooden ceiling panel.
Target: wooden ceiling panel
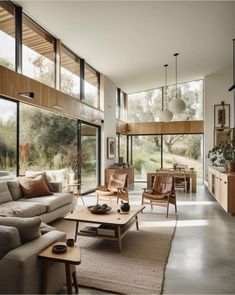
{"x": 7, "y": 22}
{"x": 38, "y": 44}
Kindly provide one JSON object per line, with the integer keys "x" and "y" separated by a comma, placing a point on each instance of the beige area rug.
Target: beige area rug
{"x": 138, "y": 269}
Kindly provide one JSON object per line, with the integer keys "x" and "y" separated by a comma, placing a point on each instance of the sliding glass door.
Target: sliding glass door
{"x": 8, "y": 138}
{"x": 90, "y": 149}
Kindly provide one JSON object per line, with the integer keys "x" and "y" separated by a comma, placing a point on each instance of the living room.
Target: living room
{"x": 87, "y": 88}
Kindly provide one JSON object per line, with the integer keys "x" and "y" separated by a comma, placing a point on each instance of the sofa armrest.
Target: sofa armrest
{"x": 21, "y": 269}
{"x": 57, "y": 186}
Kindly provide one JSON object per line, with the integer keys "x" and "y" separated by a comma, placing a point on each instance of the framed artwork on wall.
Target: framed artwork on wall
{"x": 110, "y": 148}
{"x": 222, "y": 115}
{"x": 222, "y": 135}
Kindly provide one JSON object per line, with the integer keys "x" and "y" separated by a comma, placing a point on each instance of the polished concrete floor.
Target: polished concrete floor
{"x": 202, "y": 257}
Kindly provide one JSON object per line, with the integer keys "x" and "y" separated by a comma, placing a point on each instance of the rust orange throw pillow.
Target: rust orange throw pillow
{"x": 34, "y": 187}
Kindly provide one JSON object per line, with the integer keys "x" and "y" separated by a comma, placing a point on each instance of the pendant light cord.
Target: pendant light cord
{"x": 165, "y": 88}
{"x": 176, "y": 94}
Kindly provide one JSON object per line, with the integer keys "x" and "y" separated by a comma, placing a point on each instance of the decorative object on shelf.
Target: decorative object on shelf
{"x": 222, "y": 115}
{"x": 59, "y": 249}
{"x": 125, "y": 207}
{"x": 224, "y": 154}
{"x": 176, "y": 105}
{"x": 99, "y": 209}
{"x": 165, "y": 115}
{"x": 110, "y": 148}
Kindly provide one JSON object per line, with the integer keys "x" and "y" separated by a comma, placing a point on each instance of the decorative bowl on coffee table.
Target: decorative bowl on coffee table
{"x": 99, "y": 209}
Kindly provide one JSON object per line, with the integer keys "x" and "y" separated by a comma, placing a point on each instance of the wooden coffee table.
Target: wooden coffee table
{"x": 70, "y": 258}
{"x": 121, "y": 222}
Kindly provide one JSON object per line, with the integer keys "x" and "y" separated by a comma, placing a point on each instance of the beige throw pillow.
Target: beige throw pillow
{"x": 34, "y": 187}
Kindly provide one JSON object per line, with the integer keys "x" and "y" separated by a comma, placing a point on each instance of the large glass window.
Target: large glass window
{"x": 7, "y": 35}
{"x": 146, "y": 155}
{"x": 70, "y": 73}
{"x": 185, "y": 149}
{"x": 38, "y": 53}
{"x": 91, "y": 86}
{"x": 8, "y": 138}
{"x": 123, "y": 151}
{"x": 145, "y": 106}
{"x": 89, "y": 146}
{"x": 47, "y": 140}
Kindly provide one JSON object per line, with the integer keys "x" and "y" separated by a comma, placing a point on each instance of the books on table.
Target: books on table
{"x": 103, "y": 229}
{"x": 106, "y": 230}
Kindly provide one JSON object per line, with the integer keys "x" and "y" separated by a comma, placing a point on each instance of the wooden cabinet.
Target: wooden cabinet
{"x": 128, "y": 170}
{"x": 222, "y": 186}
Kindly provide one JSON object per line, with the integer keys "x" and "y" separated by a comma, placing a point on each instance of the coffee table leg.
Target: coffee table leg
{"x": 76, "y": 231}
{"x": 68, "y": 278}
{"x": 44, "y": 276}
{"x": 136, "y": 222}
{"x": 119, "y": 238}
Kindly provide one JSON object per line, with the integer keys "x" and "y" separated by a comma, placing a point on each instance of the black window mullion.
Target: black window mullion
{"x": 161, "y": 151}
{"x": 18, "y": 39}
{"x": 79, "y": 145}
{"x": 99, "y": 156}
{"x": 17, "y": 138}
{"x": 82, "y": 78}
{"x": 119, "y": 102}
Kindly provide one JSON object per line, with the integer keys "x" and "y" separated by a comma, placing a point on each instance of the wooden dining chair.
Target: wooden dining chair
{"x": 181, "y": 180}
{"x": 162, "y": 192}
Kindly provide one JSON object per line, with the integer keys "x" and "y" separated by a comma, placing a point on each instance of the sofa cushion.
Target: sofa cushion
{"x": 36, "y": 174}
{"x": 53, "y": 202}
{"x": 22, "y": 209}
{"x": 34, "y": 187}
{"x": 15, "y": 190}
{"x": 5, "y": 195}
{"x": 10, "y": 239}
{"x": 29, "y": 228}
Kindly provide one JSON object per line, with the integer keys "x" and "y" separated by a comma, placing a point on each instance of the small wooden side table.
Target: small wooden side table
{"x": 70, "y": 258}
{"x": 78, "y": 186}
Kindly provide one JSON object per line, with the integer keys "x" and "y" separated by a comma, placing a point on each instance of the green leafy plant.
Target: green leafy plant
{"x": 222, "y": 153}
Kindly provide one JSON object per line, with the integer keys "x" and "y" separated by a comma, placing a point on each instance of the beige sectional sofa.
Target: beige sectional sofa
{"x": 20, "y": 268}
{"x": 47, "y": 208}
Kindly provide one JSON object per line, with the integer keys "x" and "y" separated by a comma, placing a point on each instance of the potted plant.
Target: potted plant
{"x": 74, "y": 160}
{"x": 223, "y": 154}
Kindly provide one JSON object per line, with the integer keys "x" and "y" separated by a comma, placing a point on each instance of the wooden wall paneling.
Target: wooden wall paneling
{"x": 121, "y": 127}
{"x": 11, "y": 83}
{"x": 175, "y": 127}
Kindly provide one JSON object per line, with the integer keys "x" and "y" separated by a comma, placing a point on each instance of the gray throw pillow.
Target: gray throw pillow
{"x": 5, "y": 195}
{"x": 10, "y": 239}
{"x": 29, "y": 228}
{"x": 15, "y": 190}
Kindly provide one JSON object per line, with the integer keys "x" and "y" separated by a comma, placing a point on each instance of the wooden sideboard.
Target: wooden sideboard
{"x": 222, "y": 186}
{"x": 129, "y": 171}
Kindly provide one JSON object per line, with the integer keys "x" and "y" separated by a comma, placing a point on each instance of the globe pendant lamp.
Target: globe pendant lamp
{"x": 165, "y": 115}
{"x": 176, "y": 105}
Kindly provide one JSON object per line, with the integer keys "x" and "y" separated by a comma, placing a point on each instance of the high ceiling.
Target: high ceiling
{"x": 130, "y": 41}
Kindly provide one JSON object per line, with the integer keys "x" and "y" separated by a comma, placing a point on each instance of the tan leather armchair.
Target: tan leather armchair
{"x": 117, "y": 188}
{"x": 162, "y": 192}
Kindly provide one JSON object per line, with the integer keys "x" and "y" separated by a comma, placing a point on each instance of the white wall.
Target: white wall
{"x": 109, "y": 125}
{"x": 215, "y": 90}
